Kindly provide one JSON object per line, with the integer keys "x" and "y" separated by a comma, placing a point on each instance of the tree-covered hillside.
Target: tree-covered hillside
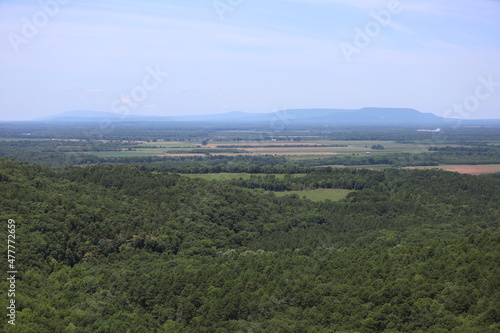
{"x": 120, "y": 249}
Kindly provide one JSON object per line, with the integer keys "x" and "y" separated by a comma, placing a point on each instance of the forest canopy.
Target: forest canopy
{"x": 125, "y": 249}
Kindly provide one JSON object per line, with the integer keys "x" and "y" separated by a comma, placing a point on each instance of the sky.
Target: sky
{"x": 178, "y": 57}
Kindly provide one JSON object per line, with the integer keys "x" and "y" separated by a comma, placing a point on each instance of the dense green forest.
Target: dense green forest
{"x": 111, "y": 248}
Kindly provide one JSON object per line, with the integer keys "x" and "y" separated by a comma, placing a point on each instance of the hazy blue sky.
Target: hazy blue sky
{"x": 248, "y": 55}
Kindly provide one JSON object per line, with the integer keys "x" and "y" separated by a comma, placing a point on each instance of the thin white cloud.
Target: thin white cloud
{"x": 466, "y": 10}
{"x": 363, "y": 4}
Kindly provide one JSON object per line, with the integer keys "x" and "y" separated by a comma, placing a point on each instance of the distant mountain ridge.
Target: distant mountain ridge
{"x": 370, "y": 116}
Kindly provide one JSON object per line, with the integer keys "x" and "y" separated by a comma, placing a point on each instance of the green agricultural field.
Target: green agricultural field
{"x": 277, "y": 148}
{"x": 295, "y": 153}
{"x": 319, "y": 194}
{"x": 218, "y": 176}
{"x": 168, "y": 144}
{"x": 123, "y": 153}
{"x": 367, "y": 166}
{"x": 374, "y": 166}
{"x": 230, "y": 176}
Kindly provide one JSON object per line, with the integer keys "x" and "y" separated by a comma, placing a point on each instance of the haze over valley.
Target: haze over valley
{"x": 250, "y": 166}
